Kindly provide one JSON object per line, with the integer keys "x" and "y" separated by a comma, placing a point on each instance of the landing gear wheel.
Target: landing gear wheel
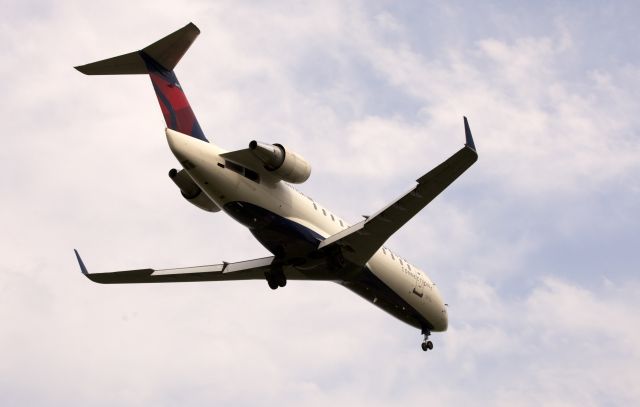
{"x": 426, "y": 343}
{"x": 275, "y": 279}
{"x": 281, "y": 279}
{"x": 273, "y": 284}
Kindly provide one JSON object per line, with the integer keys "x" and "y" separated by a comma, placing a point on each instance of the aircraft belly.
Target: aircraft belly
{"x": 371, "y": 288}
{"x": 281, "y": 236}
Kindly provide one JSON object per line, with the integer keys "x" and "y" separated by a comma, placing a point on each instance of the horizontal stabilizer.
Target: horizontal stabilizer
{"x": 167, "y": 52}
{"x": 127, "y": 64}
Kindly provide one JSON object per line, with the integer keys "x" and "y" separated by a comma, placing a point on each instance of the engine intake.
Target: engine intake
{"x": 287, "y": 165}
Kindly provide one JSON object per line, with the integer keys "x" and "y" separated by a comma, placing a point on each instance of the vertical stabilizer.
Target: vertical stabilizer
{"x": 158, "y": 60}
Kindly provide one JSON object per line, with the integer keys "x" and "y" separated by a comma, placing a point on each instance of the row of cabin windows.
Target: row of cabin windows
{"x": 385, "y": 250}
{"x": 253, "y": 176}
{"x": 324, "y": 212}
{"x": 245, "y": 172}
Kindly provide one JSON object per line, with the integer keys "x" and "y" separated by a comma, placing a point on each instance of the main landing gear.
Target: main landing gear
{"x": 275, "y": 278}
{"x": 426, "y": 343}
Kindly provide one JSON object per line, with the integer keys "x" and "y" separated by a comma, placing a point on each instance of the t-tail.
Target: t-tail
{"x": 158, "y": 60}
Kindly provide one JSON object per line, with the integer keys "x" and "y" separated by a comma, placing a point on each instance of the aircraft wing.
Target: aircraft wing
{"x": 360, "y": 241}
{"x": 244, "y": 270}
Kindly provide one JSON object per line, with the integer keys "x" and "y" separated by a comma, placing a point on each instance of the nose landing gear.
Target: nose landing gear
{"x": 426, "y": 343}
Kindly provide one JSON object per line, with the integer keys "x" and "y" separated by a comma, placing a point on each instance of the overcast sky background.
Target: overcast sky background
{"x": 535, "y": 248}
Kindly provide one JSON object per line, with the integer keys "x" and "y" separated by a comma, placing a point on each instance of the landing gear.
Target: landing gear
{"x": 275, "y": 278}
{"x": 426, "y": 343}
{"x": 336, "y": 260}
{"x": 281, "y": 280}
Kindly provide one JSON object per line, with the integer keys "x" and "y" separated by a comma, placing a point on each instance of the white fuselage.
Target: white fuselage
{"x": 222, "y": 185}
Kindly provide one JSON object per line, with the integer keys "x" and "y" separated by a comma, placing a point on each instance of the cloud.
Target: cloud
{"x": 550, "y": 342}
{"x": 533, "y": 248}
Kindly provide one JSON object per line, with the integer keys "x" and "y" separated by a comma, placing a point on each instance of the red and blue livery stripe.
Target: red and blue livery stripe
{"x": 175, "y": 107}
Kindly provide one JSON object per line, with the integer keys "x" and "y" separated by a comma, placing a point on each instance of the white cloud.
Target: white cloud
{"x": 559, "y": 344}
{"x": 84, "y": 164}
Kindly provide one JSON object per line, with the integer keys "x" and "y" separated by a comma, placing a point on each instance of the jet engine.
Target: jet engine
{"x": 191, "y": 191}
{"x": 285, "y": 164}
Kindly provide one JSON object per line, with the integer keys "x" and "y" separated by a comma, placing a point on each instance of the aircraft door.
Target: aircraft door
{"x": 419, "y": 287}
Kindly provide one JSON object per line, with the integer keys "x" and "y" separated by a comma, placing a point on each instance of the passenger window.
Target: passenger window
{"x": 341, "y": 223}
{"x": 324, "y": 212}
{"x": 315, "y": 206}
{"x": 332, "y": 218}
{"x": 392, "y": 256}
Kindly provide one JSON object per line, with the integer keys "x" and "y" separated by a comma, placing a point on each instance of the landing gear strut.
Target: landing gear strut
{"x": 275, "y": 278}
{"x": 426, "y": 343}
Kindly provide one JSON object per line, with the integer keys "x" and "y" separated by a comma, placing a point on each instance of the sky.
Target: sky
{"x": 535, "y": 248}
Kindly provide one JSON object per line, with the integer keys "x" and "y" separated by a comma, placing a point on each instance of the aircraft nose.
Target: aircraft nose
{"x": 444, "y": 317}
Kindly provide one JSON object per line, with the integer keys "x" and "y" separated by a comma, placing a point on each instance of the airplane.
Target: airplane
{"x": 254, "y": 187}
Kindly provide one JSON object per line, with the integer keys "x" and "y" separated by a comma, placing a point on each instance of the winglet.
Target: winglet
{"x": 467, "y": 132}
{"x": 83, "y": 268}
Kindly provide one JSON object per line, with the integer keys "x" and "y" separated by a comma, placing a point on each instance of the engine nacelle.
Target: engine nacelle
{"x": 287, "y": 165}
{"x": 191, "y": 191}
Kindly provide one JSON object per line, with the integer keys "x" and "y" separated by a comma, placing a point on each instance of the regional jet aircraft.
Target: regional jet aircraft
{"x": 253, "y": 186}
